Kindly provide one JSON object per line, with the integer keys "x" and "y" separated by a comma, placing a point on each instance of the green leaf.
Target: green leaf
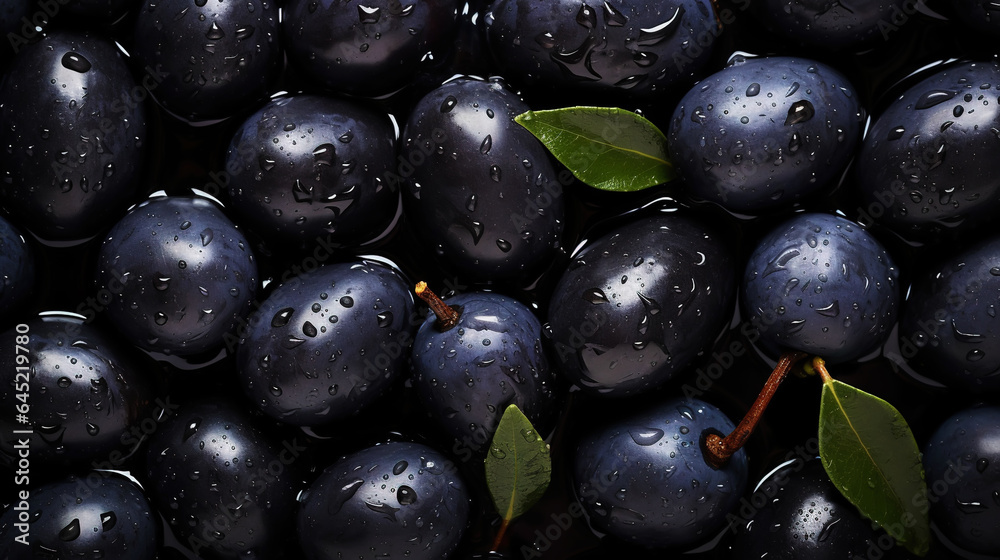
{"x": 607, "y": 148}
{"x": 518, "y": 468}
{"x": 871, "y": 456}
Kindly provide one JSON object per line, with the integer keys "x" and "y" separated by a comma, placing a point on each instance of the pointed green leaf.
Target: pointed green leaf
{"x": 518, "y": 467}
{"x": 872, "y": 458}
{"x": 607, "y": 148}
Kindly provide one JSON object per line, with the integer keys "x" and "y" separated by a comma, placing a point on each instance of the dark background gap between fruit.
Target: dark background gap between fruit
{"x": 183, "y": 157}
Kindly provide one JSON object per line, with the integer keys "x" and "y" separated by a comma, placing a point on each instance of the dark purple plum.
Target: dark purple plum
{"x": 765, "y": 132}
{"x": 327, "y": 344}
{"x": 803, "y": 516}
{"x": 96, "y": 11}
{"x": 643, "y": 478}
{"x": 480, "y": 189}
{"x": 393, "y": 500}
{"x": 74, "y": 136}
{"x": 625, "y": 47}
{"x": 981, "y": 17}
{"x": 226, "y": 487}
{"x": 925, "y": 167}
{"x": 949, "y": 330}
{"x": 88, "y": 395}
{"x": 467, "y": 375}
{"x": 307, "y": 167}
{"x": 833, "y": 25}
{"x": 17, "y": 270}
{"x": 369, "y": 49}
{"x": 820, "y": 284}
{"x": 215, "y": 58}
{"x": 962, "y": 464}
{"x": 181, "y": 274}
{"x": 637, "y": 305}
{"x": 97, "y": 515}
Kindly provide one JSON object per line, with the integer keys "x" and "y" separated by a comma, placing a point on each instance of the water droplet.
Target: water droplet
{"x": 487, "y": 144}
{"x": 265, "y": 163}
{"x": 933, "y": 97}
{"x": 659, "y": 33}
{"x": 497, "y": 452}
{"x": 399, "y": 468}
{"x": 367, "y": 14}
{"x": 753, "y": 89}
{"x": 185, "y": 224}
{"x": 64, "y": 382}
{"x": 108, "y": 521}
{"x": 896, "y": 133}
{"x": 470, "y": 204}
{"x": 495, "y": 173}
{"x": 384, "y": 319}
{"x": 586, "y": 17}
{"x": 406, "y": 495}
{"x": 832, "y": 310}
{"x": 982, "y": 464}
{"x": 595, "y": 296}
{"x": 160, "y": 318}
{"x": 275, "y": 390}
{"x": 975, "y": 355}
{"x": 529, "y": 435}
{"x": 76, "y": 62}
{"x": 347, "y": 301}
{"x": 645, "y": 437}
{"x": 281, "y": 317}
{"x": 214, "y": 33}
{"x": 243, "y": 33}
{"x": 503, "y": 245}
{"x": 309, "y": 329}
{"x": 970, "y": 507}
{"x": 70, "y": 532}
{"x": 384, "y": 509}
{"x": 206, "y": 237}
{"x": 323, "y": 155}
{"x": 800, "y": 112}
{"x": 93, "y": 429}
{"x": 448, "y": 104}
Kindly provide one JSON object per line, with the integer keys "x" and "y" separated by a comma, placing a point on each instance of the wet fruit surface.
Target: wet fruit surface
{"x": 181, "y": 274}
{"x": 327, "y": 344}
{"x": 391, "y": 500}
{"x": 638, "y": 304}
{"x": 74, "y": 138}
{"x": 823, "y": 285}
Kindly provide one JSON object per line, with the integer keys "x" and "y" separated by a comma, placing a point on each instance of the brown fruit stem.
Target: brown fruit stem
{"x": 447, "y": 316}
{"x": 718, "y": 449}
{"x": 500, "y": 535}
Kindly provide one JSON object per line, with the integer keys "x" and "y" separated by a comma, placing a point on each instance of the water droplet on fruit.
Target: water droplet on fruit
{"x": 975, "y": 355}
{"x": 367, "y": 14}
{"x": 64, "y": 382}
{"x": 191, "y": 429}
{"x": 753, "y": 89}
{"x": 243, "y": 33}
{"x": 275, "y": 390}
{"x": 206, "y": 236}
{"x": 281, "y": 317}
{"x": 93, "y": 429}
{"x": 406, "y": 495}
{"x": 503, "y": 245}
{"x": 309, "y": 329}
{"x": 595, "y": 296}
{"x": 76, "y": 62}
{"x": 970, "y": 507}
{"x": 613, "y": 17}
{"x": 832, "y": 310}
{"x": 214, "y": 33}
{"x": 347, "y": 301}
{"x": 470, "y": 204}
{"x": 586, "y": 17}
{"x": 486, "y": 145}
{"x": 160, "y": 318}
{"x": 495, "y": 173}
{"x": 982, "y": 464}
{"x": 800, "y": 112}
{"x": 933, "y": 97}
{"x": 71, "y": 531}
{"x": 323, "y": 155}
{"x": 384, "y": 319}
{"x": 448, "y": 104}
{"x": 659, "y": 33}
{"x": 108, "y": 521}
{"x": 647, "y": 436}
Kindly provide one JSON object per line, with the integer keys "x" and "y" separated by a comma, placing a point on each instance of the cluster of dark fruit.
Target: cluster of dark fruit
{"x": 214, "y": 213}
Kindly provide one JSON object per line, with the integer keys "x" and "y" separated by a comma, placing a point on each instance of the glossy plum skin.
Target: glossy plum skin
{"x": 75, "y": 134}
{"x": 637, "y": 305}
{"x": 627, "y": 47}
{"x": 87, "y": 391}
{"x": 468, "y": 375}
{"x": 820, "y": 284}
{"x": 964, "y": 453}
{"x": 765, "y": 132}
{"x": 97, "y": 515}
{"x": 182, "y": 275}
{"x": 833, "y": 25}
{"x": 367, "y": 50}
{"x": 643, "y": 478}
{"x": 949, "y": 330}
{"x": 226, "y": 488}
{"x": 17, "y": 270}
{"x": 925, "y": 166}
{"x": 306, "y": 167}
{"x": 327, "y": 344}
{"x": 480, "y": 189}
{"x": 803, "y": 516}
{"x": 213, "y": 58}
{"x": 392, "y": 500}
